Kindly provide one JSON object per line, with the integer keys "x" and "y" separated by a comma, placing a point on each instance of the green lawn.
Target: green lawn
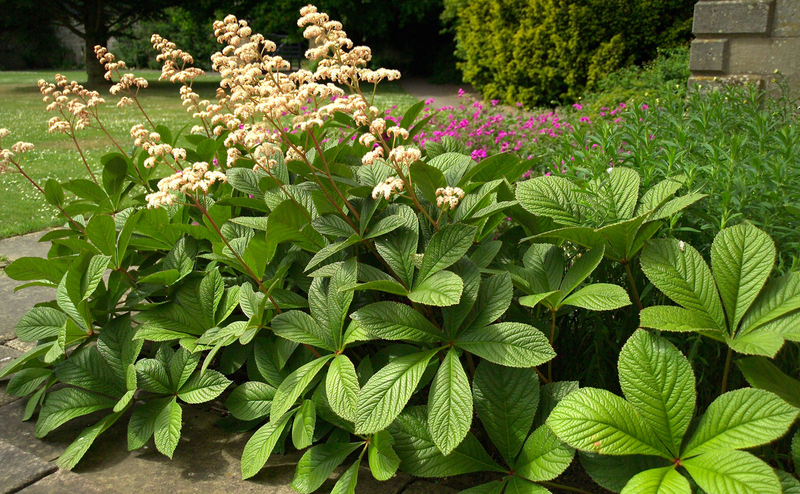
{"x": 22, "y": 208}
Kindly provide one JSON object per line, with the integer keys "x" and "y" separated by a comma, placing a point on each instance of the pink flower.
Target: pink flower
{"x": 461, "y": 92}
{"x": 578, "y": 106}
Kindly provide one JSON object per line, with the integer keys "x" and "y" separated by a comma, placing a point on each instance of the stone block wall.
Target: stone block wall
{"x": 746, "y": 40}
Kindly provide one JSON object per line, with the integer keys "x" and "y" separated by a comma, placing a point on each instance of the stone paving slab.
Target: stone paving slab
{"x": 6, "y": 356}
{"x": 19, "y": 469}
{"x": 16, "y": 304}
{"x": 65, "y": 482}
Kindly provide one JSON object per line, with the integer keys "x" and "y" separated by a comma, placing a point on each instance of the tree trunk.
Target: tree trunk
{"x": 96, "y": 33}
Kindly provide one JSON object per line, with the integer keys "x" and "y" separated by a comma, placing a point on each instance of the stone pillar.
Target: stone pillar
{"x": 745, "y": 41}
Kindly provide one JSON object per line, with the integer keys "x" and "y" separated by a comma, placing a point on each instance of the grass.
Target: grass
{"x": 22, "y": 208}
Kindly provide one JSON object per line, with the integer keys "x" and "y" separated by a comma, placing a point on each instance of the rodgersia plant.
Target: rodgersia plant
{"x": 354, "y": 297}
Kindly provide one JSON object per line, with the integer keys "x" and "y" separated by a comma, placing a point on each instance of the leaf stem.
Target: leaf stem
{"x": 727, "y": 370}
{"x": 634, "y": 292}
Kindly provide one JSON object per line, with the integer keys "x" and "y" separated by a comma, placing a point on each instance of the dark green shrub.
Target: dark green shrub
{"x": 540, "y": 51}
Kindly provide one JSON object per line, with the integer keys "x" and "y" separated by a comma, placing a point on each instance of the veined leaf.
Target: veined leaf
{"x": 762, "y": 343}
{"x": 671, "y": 318}
{"x": 26, "y": 381}
{"x": 554, "y": 197}
{"x": 250, "y": 400}
{"x": 143, "y": 422}
{"x": 494, "y": 298}
{"x": 293, "y": 386}
{"x": 383, "y": 461}
{"x": 546, "y": 263}
{"x": 385, "y": 395}
{"x": 304, "y": 422}
{"x": 449, "y": 404}
{"x": 599, "y": 296}
{"x": 581, "y": 269}
{"x": 203, "y": 386}
{"x": 741, "y": 419}
{"x": 614, "y": 472}
{"x": 732, "y": 471}
{"x": 680, "y": 272}
{"x": 511, "y": 344}
{"x": 618, "y": 191}
{"x": 763, "y": 374}
{"x": 447, "y": 246}
{"x": 87, "y": 369}
{"x": 40, "y": 323}
{"x": 659, "y": 193}
{"x": 532, "y": 300}
{"x": 260, "y": 445}
{"x": 780, "y": 297}
{"x": 75, "y": 451}
{"x": 65, "y": 404}
{"x": 658, "y": 380}
{"x": 665, "y": 480}
{"x": 742, "y": 257}
{"x": 341, "y": 386}
{"x": 598, "y": 421}
{"x": 493, "y": 487}
{"x": 318, "y": 463}
{"x": 441, "y": 289}
{"x": 454, "y": 315}
{"x": 298, "y": 326}
{"x": 347, "y": 482}
{"x": 167, "y": 430}
{"x": 543, "y": 456}
{"x": 506, "y": 400}
{"x": 395, "y": 321}
{"x": 420, "y": 457}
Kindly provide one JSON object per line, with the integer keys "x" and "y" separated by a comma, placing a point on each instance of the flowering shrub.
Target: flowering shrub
{"x": 366, "y": 299}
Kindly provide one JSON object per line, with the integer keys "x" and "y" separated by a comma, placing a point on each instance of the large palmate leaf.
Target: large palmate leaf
{"x": 665, "y": 480}
{"x": 449, "y": 404}
{"x": 447, "y": 246}
{"x": 779, "y": 297}
{"x": 318, "y": 463}
{"x": 300, "y": 327}
{"x": 419, "y": 455}
{"x": 742, "y": 257}
{"x": 763, "y": 374}
{"x": 598, "y": 297}
{"x": 383, "y": 461}
{"x": 741, "y": 419}
{"x": 75, "y": 451}
{"x": 250, "y": 400}
{"x": 386, "y": 393}
{"x": 440, "y": 289}
{"x": 581, "y": 269}
{"x": 395, "y": 321}
{"x": 554, "y": 197}
{"x": 732, "y": 471}
{"x": 506, "y": 400}
{"x": 614, "y": 472}
{"x": 167, "y": 427}
{"x": 40, "y": 323}
{"x": 493, "y": 300}
{"x": 66, "y": 404}
{"x": 203, "y": 386}
{"x": 680, "y": 272}
{"x": 658, "y": 380}
{"x": 304, "y": 424}
{"x": 341, "y": 386}
{"x": 596, "y": 420}
{"x": 260, "y": 445}
{"x": 293, "y": 386}
{"x": 617, "y": 192}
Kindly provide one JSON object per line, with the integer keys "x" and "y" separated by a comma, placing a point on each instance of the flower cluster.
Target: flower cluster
{"x": 7, "y": 155}
{"x": 170, "y": 55}
{"x": 149, "y": 142}
{"x": 391, "y": 185}
{"x": 449, "y": 196}
{"x": 189, "y": 180}
{"x": 75, "y": 103}
{"x": 126, "y": 81}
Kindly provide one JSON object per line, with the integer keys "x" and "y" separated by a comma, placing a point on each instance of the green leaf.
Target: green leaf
{"x": 298, "y": 326}
{"x": 613, "y": 472}
{"x": 511, "y": 344}
{"x": 167, "y": 430}
{"x": 681, "y": 274}
{"x": 763, "y": 374}
{"x": 250, "y": 400}
{"x": 383, "y": 461}
{"x": 293, "y": 386}
{"x": 37, "y": 268}
{"x": 287, "y": 223}
{"x": 658, "y": 380}
{"x": 428, "y": 179}
{"x": 441, "y": 289}
{"x": 347, "y": 482}
{"x": 396, "y": 321}
{"x": 202, "y": 387}
{"x": 506, "y": 400}
{"x": 532, "y": 300}
{"x": 341, "y": 386}
{"x": 449, "y": 404}
{"x": 553, "y": 197}
{"x": 581, "y": 269}
{"x": 331, "y": 224}
{"x": 741, "y": 419}
{"x": 796, "y": 448}
{"x": 65, "y": 404}
{"x": 732, "y": 471}
{"x": 454, "y": 315}
{"x": 543, "y": 456}
{"x": 397, "y": 249}
{"x": 385, "y": 395}
{"x": 485, "y": 253}
{"x": 789, "y": 484}
{"x": 780, "y": 297}
{"x": 494, "y": 298}
{"x": 102, "y": 233}
{"x": 596, "y": 420}
{"x": 493, "y": 487}
{"x": 181, "y": 257}
{"x": 331, "y": 249}
{"x": 212, "y": 287}
{"x": 659, "y": 193}
{"x": 385, "y": 225}
{"x": 143, "y": 422}
{"x": 517, "y": 485}
{"x": 318, "y": 463}
{"x": 40, "y": 323}
{"x": 152, "y": 376}
{"x": 75, "y": 451}
{"x": 244, "y": 180}
{"x": 26, "y": 381}
{"x": 599, "y": 296}
{"x": 419, "y": 455}
{"x": 671, "y": 318}
{"x": 303, "y": 428}
{"x": 387, "y": 286}
{"x": 53, "y": 192}
{"x": 549, "y": 396}
{"x": 665, "y": 480}
{"x": 338, "y": 300}
{"x": 742, "y": 257}
{"x": 87, "y": 369}
{"x": 447, "y": 246}
{"x": 260, "y": 445}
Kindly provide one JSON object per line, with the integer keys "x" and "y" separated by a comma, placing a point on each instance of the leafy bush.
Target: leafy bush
{"x": 546, "y": 51}
{"x": 366, "y": 301}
